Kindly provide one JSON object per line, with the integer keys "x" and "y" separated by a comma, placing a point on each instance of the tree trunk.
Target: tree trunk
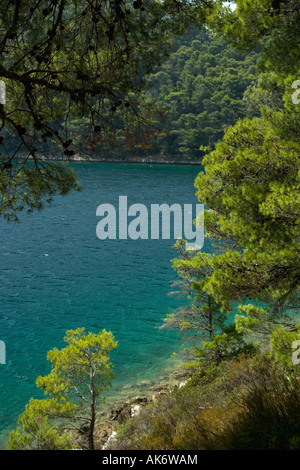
{"x": 93, "y": 410}
{"x": 92, "y": 427}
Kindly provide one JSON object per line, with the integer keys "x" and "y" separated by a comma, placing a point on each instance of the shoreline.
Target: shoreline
{"x": 117, "y": 408}
{"x": 141, "y": 162}
{"x": 122, "y": 410}
{"x": 130, "y": 161}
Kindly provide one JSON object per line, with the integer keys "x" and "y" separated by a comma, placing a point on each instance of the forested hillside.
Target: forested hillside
{"x": 199, "y": 90}
{"x": 188, "y": 102}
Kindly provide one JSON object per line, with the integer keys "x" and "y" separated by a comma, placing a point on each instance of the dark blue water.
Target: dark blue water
{"x": 55, "y": 274}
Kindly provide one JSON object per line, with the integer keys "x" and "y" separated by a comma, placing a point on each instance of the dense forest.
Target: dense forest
{"x": 193, "y": 97}
{"x": 200, "y": 91}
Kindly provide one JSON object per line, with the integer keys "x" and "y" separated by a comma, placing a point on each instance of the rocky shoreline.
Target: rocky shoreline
{"x": 122, "y": 412}
{"x": 125, "y": 161}
{"x": 138, "y": 161}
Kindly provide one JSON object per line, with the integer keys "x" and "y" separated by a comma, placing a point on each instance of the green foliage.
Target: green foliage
{"x": 284, "y": 348}
{"x": 247, "y": 23}
{"x": 85, "y": 358}
{"x": 251, "y": 184}
{"x": 242, "y": 404}
{"x": 201, "y": 317}
{"x": 202, "y": 320}
{"x": 35, "y": 432}
{"x": 32, "y": 186}
{"x": 239, "y": 396}
{"x": 274, "y": 25}
{"x": 223, "y": 346}
{"x": 251, "y": 189}
{"x": 269, "y": 420}
{"x": 64, "y": 60}
{"x": 80, "y": 373}
{"x": 249, "y": 400}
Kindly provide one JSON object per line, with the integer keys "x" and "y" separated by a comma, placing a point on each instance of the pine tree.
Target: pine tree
{"x": 80, "y": 373}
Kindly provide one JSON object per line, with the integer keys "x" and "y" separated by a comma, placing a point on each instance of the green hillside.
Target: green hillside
{"x": 199, "y": 90}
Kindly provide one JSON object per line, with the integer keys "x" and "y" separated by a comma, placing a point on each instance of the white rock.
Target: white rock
{"x": 135, "y": 410}
{"x": 182, "y": 384}
{"x": 110, "y": 440}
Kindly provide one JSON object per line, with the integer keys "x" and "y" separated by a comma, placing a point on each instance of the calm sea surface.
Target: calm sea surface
{"x": 55, "y": 274}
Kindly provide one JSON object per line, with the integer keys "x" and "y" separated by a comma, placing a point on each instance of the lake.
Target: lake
{"x": 56, "y": 274}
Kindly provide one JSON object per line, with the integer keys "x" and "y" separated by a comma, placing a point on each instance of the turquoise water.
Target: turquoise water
{"x": 55, "y": 274}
